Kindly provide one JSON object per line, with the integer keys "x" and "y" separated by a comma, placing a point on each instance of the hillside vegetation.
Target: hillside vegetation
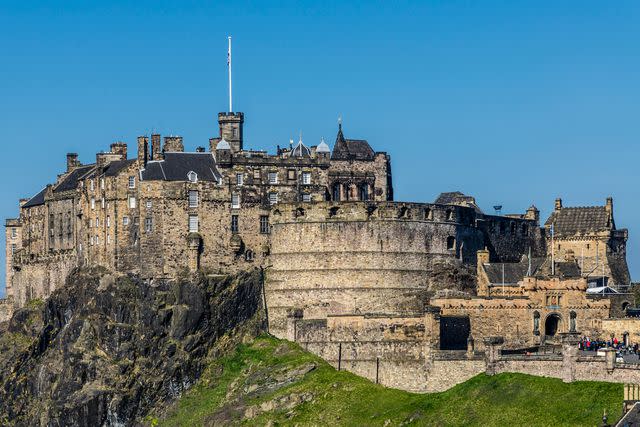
{"x": 273, "y": 382}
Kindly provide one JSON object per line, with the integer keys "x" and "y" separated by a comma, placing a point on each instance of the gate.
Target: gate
{"x": 454, "y": 332}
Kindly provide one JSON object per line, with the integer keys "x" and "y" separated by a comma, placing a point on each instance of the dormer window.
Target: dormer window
{"x": 192, "y": 177}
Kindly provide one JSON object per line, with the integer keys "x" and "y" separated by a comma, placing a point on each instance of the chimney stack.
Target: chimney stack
{"x": 72, "y": 161}
{"x": 143, "y": 149}
{"x": 558, "y": 204}
{"x": 156, "y": 150}
{"x": 173, "y": 144}
{"x": 119, "y": 148}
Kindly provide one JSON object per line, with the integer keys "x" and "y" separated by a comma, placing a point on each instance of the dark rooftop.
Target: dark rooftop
{"x": 70, "y": 182}
{"x": 351, "y": 149}
{"x": 36, "y": 200}
{"x": 176, "y": 166}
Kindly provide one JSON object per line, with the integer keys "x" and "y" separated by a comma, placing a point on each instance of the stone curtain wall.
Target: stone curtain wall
{"x": 40, "y": 277}
{"x": 359, "y": 257}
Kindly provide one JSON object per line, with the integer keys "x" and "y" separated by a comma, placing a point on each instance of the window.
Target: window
{"x": 148, "y": 224}
{"x": 306, "y": 178}
{"x": 14, "y": 247}
{"x": 306, "y": 197}
{"x": 336, "y": 192}
{"x": 132, "y": 202}
{"x": 14, "y": 233}
{"x": 449, "y": 215}
{"x": 234, "y": 223}
{"x": 235, "y": 201}
{"x": 92, "y": 185}
{"x": 125, "y": 220}
{"x": 93, "y": 204}
{"x": 273, "y": 198}
{"x": 249, "y": 256}
{"x": 132, "y": 182}
{"x": 193, "y": 198}
{"x": 97, "y": 222}
{"x": 451, "y": 242}
{"x": 256, "y": 174}
{"x": 103, "y": 203}
{"x": 102, "y": 183}
{"x": 291, "y": 174}
{"x": 192, "y": 176}
{"x": 97, "y": 240}
{"x": 149, "y": 204}
{"x": 364, "y": 192}
{"x": 136, "y": 221}
{"x": 273, "y": 177}
{"x": 108, "y": 221}
{"x": 235, "y": 132}
{"x": 108, "y": 239}
{"x": 264, "y": 224}
{"x": 91, "y": 241}
{"x": 193, "y": 223}
{"x": 239, "y": 179}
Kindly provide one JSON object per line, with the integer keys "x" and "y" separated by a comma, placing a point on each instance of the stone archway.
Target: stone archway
{"x": 552, "y": 325}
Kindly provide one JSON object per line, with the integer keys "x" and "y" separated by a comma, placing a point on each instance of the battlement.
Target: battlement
{"x": 373, "y": 211}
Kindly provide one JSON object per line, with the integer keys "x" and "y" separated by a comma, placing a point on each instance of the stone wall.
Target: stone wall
{"x": 361, "y": 257}
{"x": 41, "y": 276}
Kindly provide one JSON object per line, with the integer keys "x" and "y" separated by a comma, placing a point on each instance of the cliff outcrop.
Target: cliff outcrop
{"x": 105, "y": 350}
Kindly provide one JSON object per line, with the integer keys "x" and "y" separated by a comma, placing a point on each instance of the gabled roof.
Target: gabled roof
{"x": 36, "y": 200}
{"x": 580, "y": 220}
{"x": 351, "y": 149}
{"x": 113, "y": 168}
{"x": 176, "y": 166}
{"x": 70, "y": 182}
{"x": 514, "y": 272}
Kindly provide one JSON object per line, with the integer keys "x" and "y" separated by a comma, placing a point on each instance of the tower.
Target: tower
{"x": 231, "y": 129}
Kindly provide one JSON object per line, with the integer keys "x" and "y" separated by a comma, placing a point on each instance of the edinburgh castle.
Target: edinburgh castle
{"x": 406, "y": 294}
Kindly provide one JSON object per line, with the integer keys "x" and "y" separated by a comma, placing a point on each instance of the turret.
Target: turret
{"x": 231, "y": 129}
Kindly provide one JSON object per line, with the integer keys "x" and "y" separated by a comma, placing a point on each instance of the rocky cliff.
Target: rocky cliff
{"x": 105, "y": 350}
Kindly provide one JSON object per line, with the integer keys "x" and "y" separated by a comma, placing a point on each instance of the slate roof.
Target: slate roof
{"x": 580, "y": 220}
{"x": 176, "y": 166}
{"x": 70, "y": 182}
{"x": 351, "y": 149}
{"x": 513, "y": 271}
{"x": 114, "y": 168}
{"x": 36, "y": 200}
{"x": 457, "y": 198}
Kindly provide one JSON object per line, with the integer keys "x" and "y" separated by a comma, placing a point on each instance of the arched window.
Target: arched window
{"x": 248, "y": 255}
{"x": 451, "y": 242}
{"x": 336, "y": 192}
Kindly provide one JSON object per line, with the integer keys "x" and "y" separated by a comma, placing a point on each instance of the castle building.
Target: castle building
{"x": 167, "y": 210}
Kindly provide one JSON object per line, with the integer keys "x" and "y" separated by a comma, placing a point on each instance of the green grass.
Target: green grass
{"x": 250, "y": 382}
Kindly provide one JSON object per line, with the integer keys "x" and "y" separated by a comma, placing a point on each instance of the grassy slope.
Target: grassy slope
{"x": 256, "y": 375}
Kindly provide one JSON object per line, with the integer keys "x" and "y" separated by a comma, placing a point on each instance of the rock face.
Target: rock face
{"x": 104, "y": 350}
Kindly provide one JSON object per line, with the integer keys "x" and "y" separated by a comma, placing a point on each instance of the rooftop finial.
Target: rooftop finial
{"x": 340, "y": 122}
{"x": 229, "y": 65}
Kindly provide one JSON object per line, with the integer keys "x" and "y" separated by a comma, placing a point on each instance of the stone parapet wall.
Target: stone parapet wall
{"x": 36, "y": 280}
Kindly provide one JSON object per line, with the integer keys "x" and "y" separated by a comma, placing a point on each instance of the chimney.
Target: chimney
{"x": 119, "y": 148}
{"x": 609, "y": 205}
{"x": 173, "y": 144}
{"x": 156, "y": 150}
{"x": 558, "y": 204}
{"x": 72, "y": 161}
{"x": 143, "y": 149}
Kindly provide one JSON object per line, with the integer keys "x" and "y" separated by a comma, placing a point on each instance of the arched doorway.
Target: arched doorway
{"x": 552, "y": 325}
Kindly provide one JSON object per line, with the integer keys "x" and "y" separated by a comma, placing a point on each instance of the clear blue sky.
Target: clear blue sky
{"x": 512, "y": 102}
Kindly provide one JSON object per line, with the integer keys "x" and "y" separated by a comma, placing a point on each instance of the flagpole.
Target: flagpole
{"x": 553, "y": 259}
{"x": 229, "y": 64}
